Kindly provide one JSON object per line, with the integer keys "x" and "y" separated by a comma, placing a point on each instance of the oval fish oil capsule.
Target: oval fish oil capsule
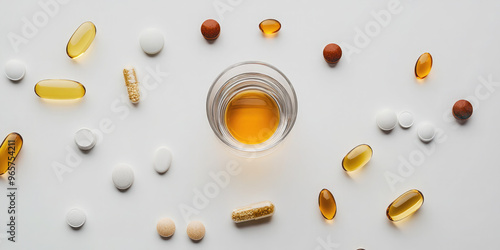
{"x": 405, "y": 205}
{"x": 9, "y": 150}
{"x": 423, "y": 66}
{"x": 327, "y": 204}
{"x": 357, "y": 157}
{"x": 253, "y": 212}
{"x": 59, "y": 89}
{"x": 81, "y": 39}
{"x": 270, "y": 26}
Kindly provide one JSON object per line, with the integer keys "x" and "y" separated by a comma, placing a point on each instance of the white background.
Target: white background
{"x": 458, "y": 173}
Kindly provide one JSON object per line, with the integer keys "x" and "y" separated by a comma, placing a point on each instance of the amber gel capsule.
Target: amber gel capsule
{"x": 270, "y": 26}
{"x": 81, "y": 40}
{"x": 423, "y": 66}
{"x": 327, "y": 204}
{"x": 9, "y": 150}
{"x": 405, "y": 205}
{"x": 59, "y": 89}
{"x": 357, "y": 157}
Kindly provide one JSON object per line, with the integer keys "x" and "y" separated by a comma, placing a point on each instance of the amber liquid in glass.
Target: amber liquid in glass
{"x": 252, "y": 116}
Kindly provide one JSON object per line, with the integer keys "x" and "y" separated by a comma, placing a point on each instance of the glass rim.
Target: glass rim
{"x": 290, "y": 92}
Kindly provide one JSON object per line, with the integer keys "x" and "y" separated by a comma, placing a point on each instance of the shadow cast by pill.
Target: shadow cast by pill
{"x": 153, "y": 55}
{"x": 353, "y": 175}
{"x": 332, "y": 65}
{"x": 76, "y": 228}
{"x": 386, "y": 131}
{"x": 196, "y": 241}
{"x": 165, "y": 238}
{"x": 400, "y": 225}
{"x": 211, "y": 41}
{"x": 462, "y": 122}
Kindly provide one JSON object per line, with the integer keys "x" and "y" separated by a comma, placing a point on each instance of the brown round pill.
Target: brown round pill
{"x": 210, "y": 29}
{"x": 462, "y": 110}
{"x": 332, "y": 53}
{"x": 195, "y": 230}
{"x": 165, "y": 227}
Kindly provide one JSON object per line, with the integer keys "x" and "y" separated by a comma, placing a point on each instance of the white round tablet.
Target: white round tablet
{"x": 405, "y": 119}
{"x": 162, "y": 160}
{"x": 426, "y": 132}
{"x": 123, "y": 177}
{"x": 151, "y": 41}
{"x": 15, "y": 70}
{"x": 75, "y": 218}
{"x": 85, "y": 139}
{"x": 386, "y": 119}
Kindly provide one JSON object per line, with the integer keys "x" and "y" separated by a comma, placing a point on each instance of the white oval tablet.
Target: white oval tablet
{"x": 151, "y": 41}
{"x": 386, "y": 119}
{"x": 405, "y": 119}
{"x": 85, "y": 139}
{"x": 426, "y": 132}
{"x": 75, "y": 218}
{"x": 162, "y": 160}
{"x": 15, "y": 70}
{"x": 123, "y": 177}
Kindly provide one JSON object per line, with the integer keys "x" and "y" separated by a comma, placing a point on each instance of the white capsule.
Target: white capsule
{"x": 85, "y": 139}
{"x": 15, "y": 70}
{"x": 151, "y": 41}
{"x": 162, "y": 160}
{"x": 75, "y": 218}
{"x": 387, "y": 119}
{"x": 405, "y": 119}
{"x": 123, "y": 177}
{"x": 426, "y": 132}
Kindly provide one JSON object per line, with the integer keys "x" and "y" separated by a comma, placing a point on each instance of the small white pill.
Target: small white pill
{"x": 75, "y": 218}
{"x": 387, "y": 119}
{"x": 151, "y": 41}
{"x": 123, "y": 177}
{"x": 426, "y": 132}
{"x": 15, "y": 70}
{"x": 405, "y": 119}
{"x": 85, "y": 139}
{"x": 162, "y": 160}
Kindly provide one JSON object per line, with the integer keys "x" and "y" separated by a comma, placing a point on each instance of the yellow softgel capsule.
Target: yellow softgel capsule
{"x": 327, "y": 204}
{"x": 405, "y": 205}
{"x": 59, "y": 89}
{"x": 423, "y": 66}
{"x": 9, "y": 150}
{"x": 81, "y": 39}
{"x": 270, "y": 26}
{"x": 357, "y": 157}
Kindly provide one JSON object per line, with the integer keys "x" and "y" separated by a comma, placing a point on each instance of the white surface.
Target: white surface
{"x": 426, "y": 131}
{"x": 162, "y": 160}
{"x": 123, "y": 176}
{"x": 85, "y": 139}
{"x": 151, "y": 41}
{"x": 75, "y": 217}
{"x": 387, "y": 119}
{"x": 405, "y": 119}
{"x": 15, "y": 70}
{"x": 458, "y": 173}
